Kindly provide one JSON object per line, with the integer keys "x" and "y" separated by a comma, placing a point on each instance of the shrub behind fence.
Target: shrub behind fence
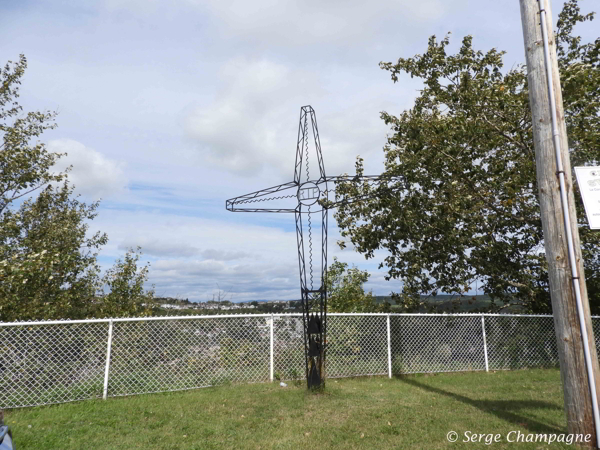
{"x": 62, "y": 361}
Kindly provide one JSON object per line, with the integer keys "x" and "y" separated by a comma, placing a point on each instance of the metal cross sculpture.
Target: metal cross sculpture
{"x": 311, "y": 197}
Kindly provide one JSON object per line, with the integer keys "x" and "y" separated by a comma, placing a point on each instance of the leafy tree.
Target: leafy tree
{"x": 126, "y": 296}
{"x": 48, "y": 267}
{"x": 24, "y": 167}
{"x": 460, "y": 202}
{"x": 345, "y": 291}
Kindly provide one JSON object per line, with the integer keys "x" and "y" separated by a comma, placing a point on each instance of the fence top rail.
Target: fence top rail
{"x": 266, "y": 316}
{"x": 474, "y": 315}
{"x": 130, "y": 319}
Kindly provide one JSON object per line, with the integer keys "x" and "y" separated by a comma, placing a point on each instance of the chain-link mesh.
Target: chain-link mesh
{"x": 51, "y": 363}
{"x": 356, "y": 345}
{"x": 436, "y": 343}
{"x": 44, "y": 363}
{"x": 519, "y": 342}
{"x": 288, "y": 347}
{"x": 596, "y": 328}
{"x": 154, "y": 356}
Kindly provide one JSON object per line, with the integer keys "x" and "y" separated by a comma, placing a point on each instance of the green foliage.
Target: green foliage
{"x": 579, "y": 66}
{"x": 24, "y": 167}
{"x": 126, "y": 296}
{"x": 48, "y": 267}
{"x": 294, "y": 375}
{"x": 345, "y": 289}
{"x": 460, "y": 202}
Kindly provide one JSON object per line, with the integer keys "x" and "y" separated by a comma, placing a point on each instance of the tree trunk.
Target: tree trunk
{"x": 577, "y": 395}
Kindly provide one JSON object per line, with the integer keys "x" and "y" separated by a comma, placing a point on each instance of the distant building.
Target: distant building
{"x": 168, "y": 306}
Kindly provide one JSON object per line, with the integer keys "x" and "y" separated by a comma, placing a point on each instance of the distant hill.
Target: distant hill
{"x": 451, "y": 303}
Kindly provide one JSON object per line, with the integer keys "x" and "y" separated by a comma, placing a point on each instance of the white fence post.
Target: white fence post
{"x": 487, "y": 369}
{"x": 389, "y": 347}
{"x": 108, "y": 348}
{"x": 271, "y": 351}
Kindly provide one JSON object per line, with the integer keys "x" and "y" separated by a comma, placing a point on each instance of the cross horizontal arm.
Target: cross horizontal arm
{"x": 246, "y": 203}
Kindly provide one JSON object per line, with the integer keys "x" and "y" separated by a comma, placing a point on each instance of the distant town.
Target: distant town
{"x": 168, "y": 306}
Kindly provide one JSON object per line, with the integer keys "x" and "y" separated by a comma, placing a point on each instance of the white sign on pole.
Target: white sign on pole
{"x": 588, "y": 179}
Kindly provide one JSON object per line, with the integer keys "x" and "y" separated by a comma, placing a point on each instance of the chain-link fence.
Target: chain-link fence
{"x": 62, "y": 361}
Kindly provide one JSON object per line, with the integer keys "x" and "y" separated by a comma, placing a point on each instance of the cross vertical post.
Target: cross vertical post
{"x": 310, "y": 203}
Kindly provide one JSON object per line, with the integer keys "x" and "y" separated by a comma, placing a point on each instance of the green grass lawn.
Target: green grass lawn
{"x": 411, "y": 412}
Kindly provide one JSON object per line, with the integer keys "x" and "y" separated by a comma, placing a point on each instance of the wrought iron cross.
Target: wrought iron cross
{"x": 311, "y": 196}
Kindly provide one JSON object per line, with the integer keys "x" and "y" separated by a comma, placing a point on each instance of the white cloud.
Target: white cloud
{"x": 296, "y": 23}
{"x": 189, "y": 256}
{"x": 163, "y": 245}
{"x": 159, "y": 247}
{"x": 93, "y": 174}
{"x": 210, "y": 238}
{"x": 220, "y": 255}
{"x": 247, "y": 127}
{"x": 239, "y": 255}
{"x": 290, "y": 22}
{"x": 198, "y": 279}
{"x": 137, "y": 6}
{"x": 252, "y": 124}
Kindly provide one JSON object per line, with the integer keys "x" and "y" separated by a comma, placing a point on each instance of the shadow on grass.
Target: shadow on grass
{"x": 504, "y": 409}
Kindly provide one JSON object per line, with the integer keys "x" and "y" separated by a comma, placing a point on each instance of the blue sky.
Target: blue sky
{"x": 168, "y": 108}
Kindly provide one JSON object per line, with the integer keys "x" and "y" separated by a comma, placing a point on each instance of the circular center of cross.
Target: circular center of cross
{"x": 308, "y": 193}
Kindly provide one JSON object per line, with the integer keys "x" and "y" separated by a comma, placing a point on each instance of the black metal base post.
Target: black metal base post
{"x": 314, "y": 317}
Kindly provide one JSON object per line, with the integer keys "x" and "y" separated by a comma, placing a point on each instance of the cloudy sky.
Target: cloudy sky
{"x": 168, "y": 108}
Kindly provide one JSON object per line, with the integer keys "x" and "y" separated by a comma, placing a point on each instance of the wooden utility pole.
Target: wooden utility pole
{"x": 573, "y": 369}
